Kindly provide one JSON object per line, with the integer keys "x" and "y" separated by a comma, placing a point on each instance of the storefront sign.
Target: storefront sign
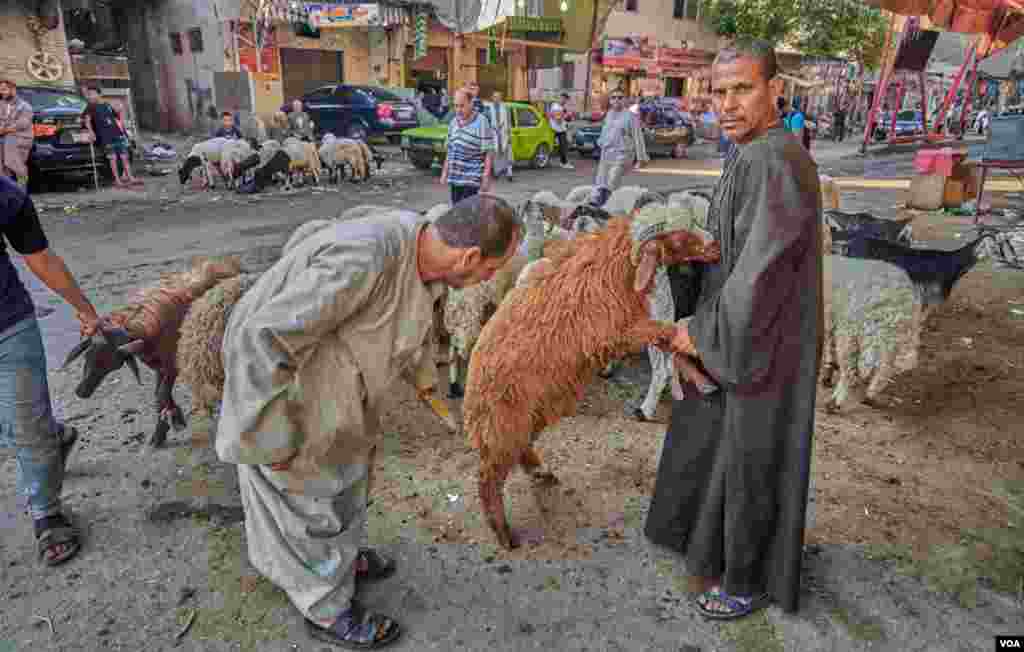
{"x": 631, "y": 53}
{"x": 247, "y": 60}
{"x": 642, "y": 55}
{"x": 348, "y": 15}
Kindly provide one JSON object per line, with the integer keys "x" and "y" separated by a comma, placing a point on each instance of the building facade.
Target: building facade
{"x": 33, "y": 47}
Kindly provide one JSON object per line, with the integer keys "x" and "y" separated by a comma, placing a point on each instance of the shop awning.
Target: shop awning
{"x": 804, "y": 83}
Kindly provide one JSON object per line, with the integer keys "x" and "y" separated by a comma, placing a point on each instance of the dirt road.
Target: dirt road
{"x": 164, "y": 543}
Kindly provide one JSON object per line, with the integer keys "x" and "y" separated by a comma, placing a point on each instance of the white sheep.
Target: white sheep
{"x": 579, "y": 194}
{"x": 622, "y": 200}
{"x": 873, "y": 322}
{"x": 206, "y": 156}
{"x": 305, "y": 157}
{"x": 337, "y": 153}
{"x": 232, "y": 154}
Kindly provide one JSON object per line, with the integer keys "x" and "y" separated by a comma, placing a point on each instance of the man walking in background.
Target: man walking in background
{"x": 622, "y": 145}
{"x": 15, "y": 133}
{"x": 501, "y": 118}
{"x": 558, "y": 124}
{"x": 470, "y": 157}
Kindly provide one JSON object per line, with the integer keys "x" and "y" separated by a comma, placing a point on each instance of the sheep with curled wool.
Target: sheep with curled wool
{"x": 305, "y": 159}
{"x": 548, "y": 339}
{"x": 202, "y": 333}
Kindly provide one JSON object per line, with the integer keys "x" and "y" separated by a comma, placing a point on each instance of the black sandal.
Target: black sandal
{"x": 54, "y": 531}
{"x": 378, "y": 566}
{"x": 356, "y": 629}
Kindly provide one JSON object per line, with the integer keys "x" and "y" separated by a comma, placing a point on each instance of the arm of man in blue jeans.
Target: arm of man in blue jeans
{"x": 49, "y": 267}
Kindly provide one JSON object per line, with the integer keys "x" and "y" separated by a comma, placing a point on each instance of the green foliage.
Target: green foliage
{"x": 832, "y": 28}
{"x": 770, "y": 20}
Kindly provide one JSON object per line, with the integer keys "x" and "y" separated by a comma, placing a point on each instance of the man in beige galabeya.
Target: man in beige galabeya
{"x": 310, "y": 352}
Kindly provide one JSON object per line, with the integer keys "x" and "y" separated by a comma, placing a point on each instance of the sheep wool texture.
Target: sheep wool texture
{"x": 732, "y": 482}
{"x": 873, "y": 321}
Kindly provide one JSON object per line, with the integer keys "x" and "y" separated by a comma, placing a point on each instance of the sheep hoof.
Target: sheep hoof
{"x": 455, "y": 391}
{"x": 159, "y": 437}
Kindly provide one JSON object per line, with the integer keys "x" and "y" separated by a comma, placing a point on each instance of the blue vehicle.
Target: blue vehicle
{"x": 61, "y": 143}
{"x": 909, "y": 123}
{"x": 359, "y": 112}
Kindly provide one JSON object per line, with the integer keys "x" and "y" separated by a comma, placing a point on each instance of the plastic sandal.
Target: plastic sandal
{"x": 736, "y": 606}
{"x": 357, "y": 630}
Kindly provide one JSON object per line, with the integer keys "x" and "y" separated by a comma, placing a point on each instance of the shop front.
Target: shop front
{"x": 642, "y": 67}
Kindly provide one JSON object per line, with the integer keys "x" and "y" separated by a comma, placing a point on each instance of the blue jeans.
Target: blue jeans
{"x": 26, "y": 419}
{"x": 462, "y": 192}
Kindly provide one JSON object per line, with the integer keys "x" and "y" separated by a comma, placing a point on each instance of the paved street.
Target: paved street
{"x": 162, "y": 528}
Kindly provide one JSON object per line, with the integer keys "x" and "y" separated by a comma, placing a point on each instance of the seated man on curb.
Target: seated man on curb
{"x": 309, "y": 353}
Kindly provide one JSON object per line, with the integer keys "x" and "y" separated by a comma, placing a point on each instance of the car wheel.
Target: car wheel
{"x": 541, "y": 157}
{"x": 357, "y": 132}
{"x": 420, "y": 161}
{"x": 395, "y": 140}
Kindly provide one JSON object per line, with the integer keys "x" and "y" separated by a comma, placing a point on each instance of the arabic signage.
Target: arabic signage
{"x": 641, "y": 54}
{"x": 344, "y": 15}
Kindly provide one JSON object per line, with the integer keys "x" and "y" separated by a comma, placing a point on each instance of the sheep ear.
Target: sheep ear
{"x": 649, "y": 260}
{"x": 79, "y": 349}
{"x": 132, "y": 348}
{"x": 134, "y": 366}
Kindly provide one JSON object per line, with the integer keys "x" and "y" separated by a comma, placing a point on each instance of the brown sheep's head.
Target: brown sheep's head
{"x": 677, "y": 247}
{"x": 104, "y": 352}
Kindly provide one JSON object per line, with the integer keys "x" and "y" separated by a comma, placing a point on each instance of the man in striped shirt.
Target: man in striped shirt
{"x": 467, "y": 167}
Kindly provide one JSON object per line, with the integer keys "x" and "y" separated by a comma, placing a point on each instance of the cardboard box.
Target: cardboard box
{"x": 927, "y": 192}
{"x": 954, "y": 194}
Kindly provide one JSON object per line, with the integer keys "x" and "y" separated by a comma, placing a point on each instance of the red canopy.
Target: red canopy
{"x": 1000, "y": 22}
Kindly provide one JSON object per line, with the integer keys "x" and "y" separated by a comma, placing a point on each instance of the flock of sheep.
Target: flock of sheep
{"x": 290, "y": 162}
{"x": 526, "y": 343}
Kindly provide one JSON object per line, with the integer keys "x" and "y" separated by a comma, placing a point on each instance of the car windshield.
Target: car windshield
{"x": 46, "y": 100}
{"x": 379, "y": 94}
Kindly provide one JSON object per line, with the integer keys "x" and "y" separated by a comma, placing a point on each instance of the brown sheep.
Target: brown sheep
{"x": 149, "y": 328}
{"x": 549, "y": 339}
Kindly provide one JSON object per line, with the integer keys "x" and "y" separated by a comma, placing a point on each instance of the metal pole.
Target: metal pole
{"x": 941, "y": 118}
{"x": 968, "y": 98}
{"x": 95, "y": 172}
{"x": 901, "y": 90}
{"x": 888, "y": 59}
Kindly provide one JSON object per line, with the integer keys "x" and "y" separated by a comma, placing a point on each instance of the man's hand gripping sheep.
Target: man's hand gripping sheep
{"x": 549, "y": 338}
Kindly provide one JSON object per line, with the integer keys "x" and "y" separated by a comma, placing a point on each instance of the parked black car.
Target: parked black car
{"x": 60, "y": 145}
{"x": 359, "y": 112}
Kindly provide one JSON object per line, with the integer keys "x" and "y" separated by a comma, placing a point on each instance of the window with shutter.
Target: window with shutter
{"x": 632, "y": 5}
{"x": 678, "y": 8}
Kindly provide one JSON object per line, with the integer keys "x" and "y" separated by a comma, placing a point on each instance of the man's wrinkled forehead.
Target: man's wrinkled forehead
{"x": 737, "y": 72}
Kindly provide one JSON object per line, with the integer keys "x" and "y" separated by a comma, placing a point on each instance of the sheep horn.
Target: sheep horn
{"x": 79, "y": 349}
{"x": 132, "y": 348}
{"x": 134, "y": 366}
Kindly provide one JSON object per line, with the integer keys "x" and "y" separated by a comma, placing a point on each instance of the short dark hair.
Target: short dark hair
{"x": 227, "y": 114}
{"x": 759, "y": 50}
{"x": 93, "y": 87}
{"x": 483, "y": 221}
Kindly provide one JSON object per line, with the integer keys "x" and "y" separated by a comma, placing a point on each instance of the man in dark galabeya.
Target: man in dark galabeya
{"x": 732, "y": 484}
